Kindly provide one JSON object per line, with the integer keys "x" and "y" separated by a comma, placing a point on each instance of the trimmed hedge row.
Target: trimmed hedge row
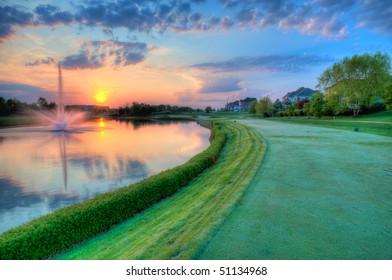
{"x": 52, "y": 233}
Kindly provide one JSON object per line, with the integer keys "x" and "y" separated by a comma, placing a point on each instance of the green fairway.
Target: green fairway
{"x": 178, "y": 227}
{"x": 378, "y": 123}
{"x": 321, "y": 194}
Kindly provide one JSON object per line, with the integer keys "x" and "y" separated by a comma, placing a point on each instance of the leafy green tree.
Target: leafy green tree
{"x": 276, "y": 107}
{"x": 252, "y": 107}
{"x": 358, "y": 79}
{"x": 208, "y": 109}
{"x": 264, "y": 107}
{"x": 317, "y": 105}
{"x": 388, "y": 96}
{"x": 335, "y": 104}
{"x": 306, "y": 109}
{"x": 290, "y": 110}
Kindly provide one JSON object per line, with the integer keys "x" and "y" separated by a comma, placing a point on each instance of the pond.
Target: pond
{"x": 43, "y": 170}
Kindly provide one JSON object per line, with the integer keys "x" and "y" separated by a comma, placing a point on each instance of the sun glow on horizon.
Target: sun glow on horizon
{"x": 100, "y": 97}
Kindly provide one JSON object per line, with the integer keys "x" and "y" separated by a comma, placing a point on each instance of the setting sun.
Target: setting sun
{"x": 100, "y": 97}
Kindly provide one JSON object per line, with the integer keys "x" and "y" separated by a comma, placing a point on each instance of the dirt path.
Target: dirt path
{"x": 320, "y": 194}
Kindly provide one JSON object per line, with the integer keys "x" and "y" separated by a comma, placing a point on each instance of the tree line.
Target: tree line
{"x": 361, "y": 83}
{"x": 14, "y": 106}
{"x": 142, "y": 109}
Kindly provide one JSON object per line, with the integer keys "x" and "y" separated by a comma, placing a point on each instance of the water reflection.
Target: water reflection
{"x": 41, "y": 171}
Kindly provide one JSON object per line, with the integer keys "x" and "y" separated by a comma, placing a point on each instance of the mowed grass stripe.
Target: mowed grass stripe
{"x": 180, "y": 226}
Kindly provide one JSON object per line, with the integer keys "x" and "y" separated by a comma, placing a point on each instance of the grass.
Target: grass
{"x": 180, "y": 226}
{"x": 17, "y": 120}
{"x": 378, "y": 123}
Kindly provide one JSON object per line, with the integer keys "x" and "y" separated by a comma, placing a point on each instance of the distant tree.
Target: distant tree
{"x": 42, "y": 103}
{"x": 52, "y": 106}
{"x": 359, "y": 79}
{"x": 13, "y": 105}
{"x": 208, "y": 109}
{"x": 161, "y": 108}
{"x": 317, "y": 105}
{"x": 264, "y": 107}
{"x": 278, "y": 105}
{"x": 252, "y": 107}
{"x": 3, "y": 107}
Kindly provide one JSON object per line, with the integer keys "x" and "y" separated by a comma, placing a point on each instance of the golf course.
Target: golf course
{"x": 279, "y": 190}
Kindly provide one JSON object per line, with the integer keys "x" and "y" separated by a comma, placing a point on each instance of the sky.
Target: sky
{"x": 180, "y": 52}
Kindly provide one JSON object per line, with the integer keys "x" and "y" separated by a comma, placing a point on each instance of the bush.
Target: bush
{"x": 52, "y": 233}
{"x": 298, "y": 112}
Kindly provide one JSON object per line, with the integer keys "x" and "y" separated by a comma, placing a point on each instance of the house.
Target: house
{"x": 240, "y": 105}
{"x": 298, "y": 95}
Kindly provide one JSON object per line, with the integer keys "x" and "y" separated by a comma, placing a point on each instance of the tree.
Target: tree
{"x": 306, "y": 109}
{"x": 42, "y": 103}
{"x": 278, "y": 105}
{"x": 317, "y": 105}
{"x": 290, "y": 110}
{"x": 252, "y": 107}
{"x": 264, "y": 107}
{"x": 335, "y": 104}
{"x": 388, "y": 96}
{"x": 4, "y": 110}
{"x": 358, "y": 79}
{"x": 208, "y": 109}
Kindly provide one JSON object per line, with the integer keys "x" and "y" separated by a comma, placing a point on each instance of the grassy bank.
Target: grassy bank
{"x": 180, "y": 226}
{"x": 378, "y": 123}
{"x": 61, "y": 229}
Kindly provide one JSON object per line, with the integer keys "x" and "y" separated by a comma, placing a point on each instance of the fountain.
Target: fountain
{"x": 60, "y": 119}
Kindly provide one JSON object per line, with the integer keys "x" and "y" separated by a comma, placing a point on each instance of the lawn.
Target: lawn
{"x": 378, "y": 123}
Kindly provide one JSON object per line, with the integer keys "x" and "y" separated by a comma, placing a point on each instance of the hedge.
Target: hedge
{"x": 47, "y": 235}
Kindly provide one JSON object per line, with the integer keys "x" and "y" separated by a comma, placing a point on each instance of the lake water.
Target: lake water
{"x": 42, "y": 170}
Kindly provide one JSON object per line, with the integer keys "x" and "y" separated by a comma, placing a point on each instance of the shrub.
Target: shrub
{"x": 52, "y": 233}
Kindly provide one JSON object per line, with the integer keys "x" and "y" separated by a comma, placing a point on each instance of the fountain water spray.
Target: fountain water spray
{"x": 60, "y": 119}
{"x": 61, "y": 124}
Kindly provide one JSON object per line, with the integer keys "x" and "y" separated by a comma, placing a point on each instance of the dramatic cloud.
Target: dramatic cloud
{"x": 95, "y": 54}
{"x": 51, "y": 15}
{"x": 328, "y": 18}
{"x": 47, "y": 61}
{"x": 144, "y": 16}
{"x": 83, "y": 60}
{"x": 11, "y": 16}
{"x": 311, "y": 18}
{"x": 376, "y": 15}
{"x": 218, "y": 84}
{"x": 270, "y": 63}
